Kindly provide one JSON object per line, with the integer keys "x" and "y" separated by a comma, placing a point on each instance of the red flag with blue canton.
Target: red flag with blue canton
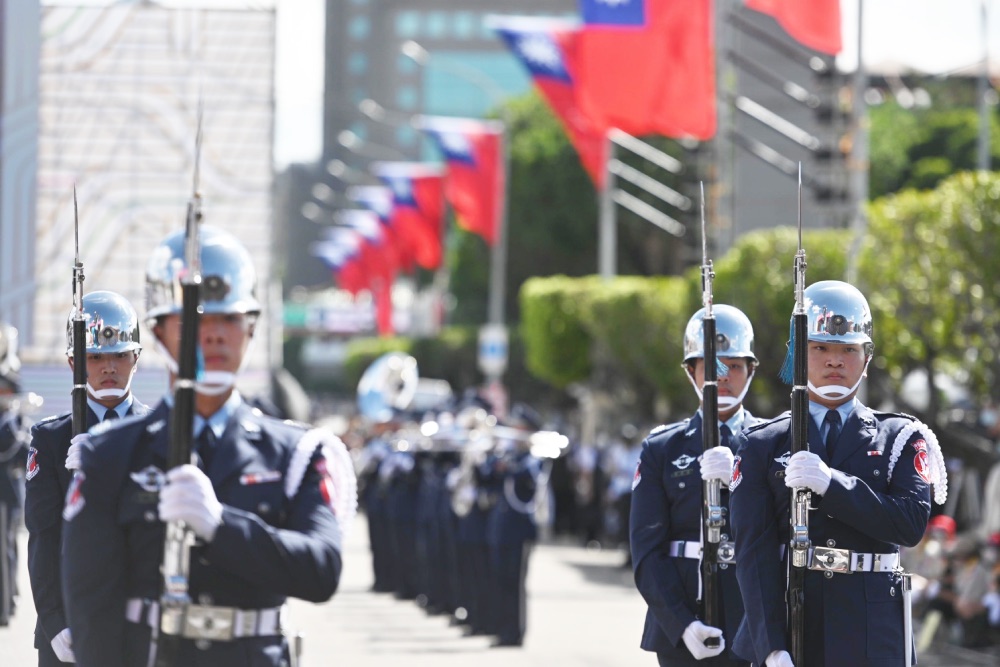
{"x": 475, "y": 177}
{"x": 815, "y": 23}
{"x": 341, "y": 252}
{"x": 378, "y": 199}
{"x": 417, "y": 207}
{"x": 648, "y": 66}
{"x": 547, "y": 48}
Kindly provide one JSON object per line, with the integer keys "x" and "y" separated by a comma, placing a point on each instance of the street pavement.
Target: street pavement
{"x": 583, "y": 611}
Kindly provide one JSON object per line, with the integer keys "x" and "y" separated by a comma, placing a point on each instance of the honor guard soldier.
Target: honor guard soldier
{"x": 263, "y": 502}
{"x": 869, "y": 475}
{"x": 112, "y": 347}
{"x": 13, "y": 455}
{"x": 666, "y": 521}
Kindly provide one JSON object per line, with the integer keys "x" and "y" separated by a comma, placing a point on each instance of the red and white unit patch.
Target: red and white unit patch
{"x": 33, "y": 467}
{"x": 637, "y": 477}
{"x": 74, "y": 497}
{"x": 922, "y": 465}
{"x": 326, "y": 486}
{"x": 737, "y": 474}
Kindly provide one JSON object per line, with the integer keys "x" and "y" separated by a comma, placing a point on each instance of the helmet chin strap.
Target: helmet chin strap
{"x": 836, "y": 391}
{"x": 114, "y": 392}
{"x": 210, "y": 383}
{"x": 725, "y": 402}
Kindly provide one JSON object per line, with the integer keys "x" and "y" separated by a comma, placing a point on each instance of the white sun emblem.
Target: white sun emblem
{"x": 400, "y": 188}
{"x": 538, "y": 48}
{"x": 455, "y": 142}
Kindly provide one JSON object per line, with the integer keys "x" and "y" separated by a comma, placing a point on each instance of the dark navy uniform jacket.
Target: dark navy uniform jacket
{"x": 274, "y": 542}
{"x": 851, "y": 619}
{"x": 47, "y": 480}
{"x": 514, "y": 481}
{"x": 666, "y": 507}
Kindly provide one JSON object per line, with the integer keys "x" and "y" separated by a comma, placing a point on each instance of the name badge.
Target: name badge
{"x": 260, "y": 477}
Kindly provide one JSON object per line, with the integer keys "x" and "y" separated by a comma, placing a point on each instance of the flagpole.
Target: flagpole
{"x": 607, "y": 236}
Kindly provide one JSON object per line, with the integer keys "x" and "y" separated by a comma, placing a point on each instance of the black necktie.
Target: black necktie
{"x": 725, "y": 436}
{"x": 110, "y": 414}
{"x": 832, "y": 421}
{"x": 206, "y": 446}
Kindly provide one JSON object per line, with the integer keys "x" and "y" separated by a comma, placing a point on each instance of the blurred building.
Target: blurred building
{"x": 19, "y": 45}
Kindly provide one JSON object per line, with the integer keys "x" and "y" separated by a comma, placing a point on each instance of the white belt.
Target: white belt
{"x": 690, "y": 549}
{"x": 207, "y": 622}
{"x": 844, "y": 561}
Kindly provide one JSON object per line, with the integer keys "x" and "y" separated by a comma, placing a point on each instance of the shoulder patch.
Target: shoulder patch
{"x": 737, "y": 477}
{"x": 51, "y": 418}
{"x": 783, "y": 417}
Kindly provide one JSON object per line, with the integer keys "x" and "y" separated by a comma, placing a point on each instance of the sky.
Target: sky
{"x": 929, "y": 36}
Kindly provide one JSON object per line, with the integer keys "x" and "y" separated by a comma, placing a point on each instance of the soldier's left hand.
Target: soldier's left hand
{"x": 806, "y": 469}
{"x": 717, "y": 463}
{"x": 189, "y": 497}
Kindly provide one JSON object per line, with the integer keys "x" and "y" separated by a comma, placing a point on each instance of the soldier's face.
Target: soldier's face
{"x": 730, "y": 384}
{"x": 835, "y": 364}
{"x": 109, "y": 371}
{"x": 224, "y": 338}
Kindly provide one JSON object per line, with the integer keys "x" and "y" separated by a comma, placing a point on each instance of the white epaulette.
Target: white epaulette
{"x": 338, "y": 464}
{"x": 938, "y": 472}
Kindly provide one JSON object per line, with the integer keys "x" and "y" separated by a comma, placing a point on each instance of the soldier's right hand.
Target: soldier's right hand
{"x": 779, "y": 659}
{"x": 73, "y": 458}
{"x": 694, "y": 638}
{"x": 62, "y": 646}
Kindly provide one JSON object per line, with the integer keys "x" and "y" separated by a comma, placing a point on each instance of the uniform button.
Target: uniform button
{"x": 682, "y": 485}
{"x": 203, "y": 560}
{"x": 263, "y": 508}
{"x": 150, "y": 516}
{"x": 205, "y": 599}
{"x": 828, "y": 575}
{"x": 892, "y": 591}
{"x": 878, "y": 472}
{"x": 831, "y": 543}
{"x": 724, "y": 537}
{"x": 203, "y": 644}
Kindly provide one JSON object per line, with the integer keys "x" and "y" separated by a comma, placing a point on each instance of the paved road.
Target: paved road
{"x": 583, "y": 611}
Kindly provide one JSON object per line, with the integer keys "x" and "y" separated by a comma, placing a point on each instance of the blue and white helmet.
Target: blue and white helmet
{"x": 111, "y": 324}
{"x": 838, "y": 313}
{"x": 733, "y": 334}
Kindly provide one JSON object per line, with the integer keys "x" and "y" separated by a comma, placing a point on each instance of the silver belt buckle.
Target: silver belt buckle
{"x": 211, "y": 623}
{"x": 826, "y": 559}
{"x": 727, "y": 552}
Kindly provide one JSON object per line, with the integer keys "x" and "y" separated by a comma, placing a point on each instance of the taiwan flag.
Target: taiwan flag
{"x": 546, "y": 47}
{"x": 417, "y": 207}
{"x": 341, "y": 252}
{"x": 378, "y": 199}
{"x": 475, "y": 178}
{"x": 377, "y": 261}
{"x": 815, "y": 23}
{"x": 648, "y": 66}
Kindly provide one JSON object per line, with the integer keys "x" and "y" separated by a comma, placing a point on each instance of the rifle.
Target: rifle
{"x": 711, "y": 505}
{"x": 799, "y": 543}
{"x": 178, "y": 540}
{"x": 79, "y": 334}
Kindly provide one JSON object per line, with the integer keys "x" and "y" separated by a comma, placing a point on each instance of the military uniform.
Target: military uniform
{"x": 47, "y": 481}
{"x": 511, "y": 532}
{"x": 279, "y": 537}
{"x": 878, "y": 499}
{"x": 665, "y": 539}
{"x": 13, "y": 453}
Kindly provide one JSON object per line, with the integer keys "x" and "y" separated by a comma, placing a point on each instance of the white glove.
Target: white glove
{"x": 717, "y": 463}
{"x": 694, "y": 638}
{"x": 806, "y": 469}
{"x": 73, "y": 457}
{"x": 62, "y": 644}
{"x": 779, "y": 659}
{"x": 189, "y": 497}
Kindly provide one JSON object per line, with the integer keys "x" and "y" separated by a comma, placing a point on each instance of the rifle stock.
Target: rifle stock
{"x": 178, "y": 540}
{"x": 711, "y": 490}
{"x": 800, "y": 497}
{"x": 79, "y": 393}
